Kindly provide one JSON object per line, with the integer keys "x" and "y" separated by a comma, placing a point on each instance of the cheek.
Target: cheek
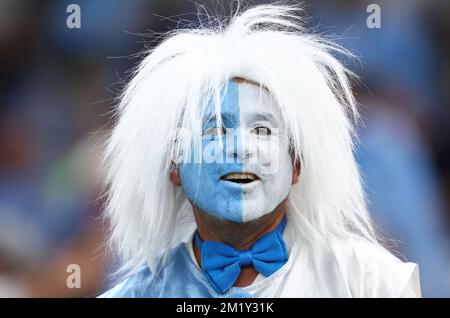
{"x": 273, "y": 157}
{"x": 281, "y": 168}
{"x": 275, "y": 164}
{"x": 202, "y": 186}
{"x": 194, "y": 172}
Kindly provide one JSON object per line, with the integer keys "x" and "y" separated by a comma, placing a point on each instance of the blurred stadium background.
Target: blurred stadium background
{"x": 57, "y": 87}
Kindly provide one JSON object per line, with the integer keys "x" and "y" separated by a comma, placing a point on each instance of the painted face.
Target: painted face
{"x": 245, "y": 169}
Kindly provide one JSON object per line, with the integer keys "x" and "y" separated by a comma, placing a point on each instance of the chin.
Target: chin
{"x": 255, "y": 207}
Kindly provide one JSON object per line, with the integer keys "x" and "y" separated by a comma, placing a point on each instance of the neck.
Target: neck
{"x": 241, "y": 236}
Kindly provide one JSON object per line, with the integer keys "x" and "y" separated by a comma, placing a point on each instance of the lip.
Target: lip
{"x": 254, "y": 174}
{"x": 245, "y": 187}
{"x": 246, "y": 173}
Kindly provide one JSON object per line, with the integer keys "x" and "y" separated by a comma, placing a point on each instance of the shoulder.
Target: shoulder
{"x": 143, "y": 282}
{"x": 373, "y": 271}
{"x": 130, "y": 286}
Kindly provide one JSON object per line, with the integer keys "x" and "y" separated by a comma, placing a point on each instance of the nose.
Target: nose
{"x": 239, "y": 146}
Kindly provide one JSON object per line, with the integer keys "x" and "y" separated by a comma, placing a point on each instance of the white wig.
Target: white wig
{"x": 266, "y": 44}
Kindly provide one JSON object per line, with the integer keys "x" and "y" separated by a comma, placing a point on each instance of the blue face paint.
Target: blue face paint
{"x": 252, "y": 128}
{"x": 202, "y": 181}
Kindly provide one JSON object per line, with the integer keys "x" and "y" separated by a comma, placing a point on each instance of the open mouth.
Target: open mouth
{"x": 241, "y": 177}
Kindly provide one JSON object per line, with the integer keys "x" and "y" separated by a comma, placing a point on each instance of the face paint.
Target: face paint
{"x": 246, "y": 172}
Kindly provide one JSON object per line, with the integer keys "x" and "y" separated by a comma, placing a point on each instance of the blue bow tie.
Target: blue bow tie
{"x": 222, "y": 263}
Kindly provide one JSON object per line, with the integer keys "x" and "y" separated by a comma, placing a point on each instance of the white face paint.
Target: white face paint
{"x": 272, "y": 162}
{"x": 255, "y": 175}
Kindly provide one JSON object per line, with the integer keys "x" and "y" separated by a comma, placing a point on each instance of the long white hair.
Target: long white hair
{"x": 266, "y": 44}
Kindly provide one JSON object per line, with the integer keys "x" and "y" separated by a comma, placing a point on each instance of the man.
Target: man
{"x": 231, "y": 170}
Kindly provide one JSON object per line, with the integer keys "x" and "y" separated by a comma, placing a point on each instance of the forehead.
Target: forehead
{"x": 242, "y": 100}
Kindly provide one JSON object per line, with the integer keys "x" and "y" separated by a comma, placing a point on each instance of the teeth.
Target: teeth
{"x": 239, "y": 176}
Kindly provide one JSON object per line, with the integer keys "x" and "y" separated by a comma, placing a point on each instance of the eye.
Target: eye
{"x": 261, "y": 131}
{"x": 212, "y": 132}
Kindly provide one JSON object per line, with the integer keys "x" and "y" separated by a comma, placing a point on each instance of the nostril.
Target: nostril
{"x": 249, "y": 155}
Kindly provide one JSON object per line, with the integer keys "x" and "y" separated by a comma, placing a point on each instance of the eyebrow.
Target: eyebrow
{"x": 227, "y": 117}
{"x": 265, "y": 117}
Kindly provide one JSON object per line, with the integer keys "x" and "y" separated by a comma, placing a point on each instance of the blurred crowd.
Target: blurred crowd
{"x": 58, "y": 86}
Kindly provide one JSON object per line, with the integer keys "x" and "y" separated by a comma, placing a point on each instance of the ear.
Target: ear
{"x": 295, "y": 171}
{"x": 174, "y": 175}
